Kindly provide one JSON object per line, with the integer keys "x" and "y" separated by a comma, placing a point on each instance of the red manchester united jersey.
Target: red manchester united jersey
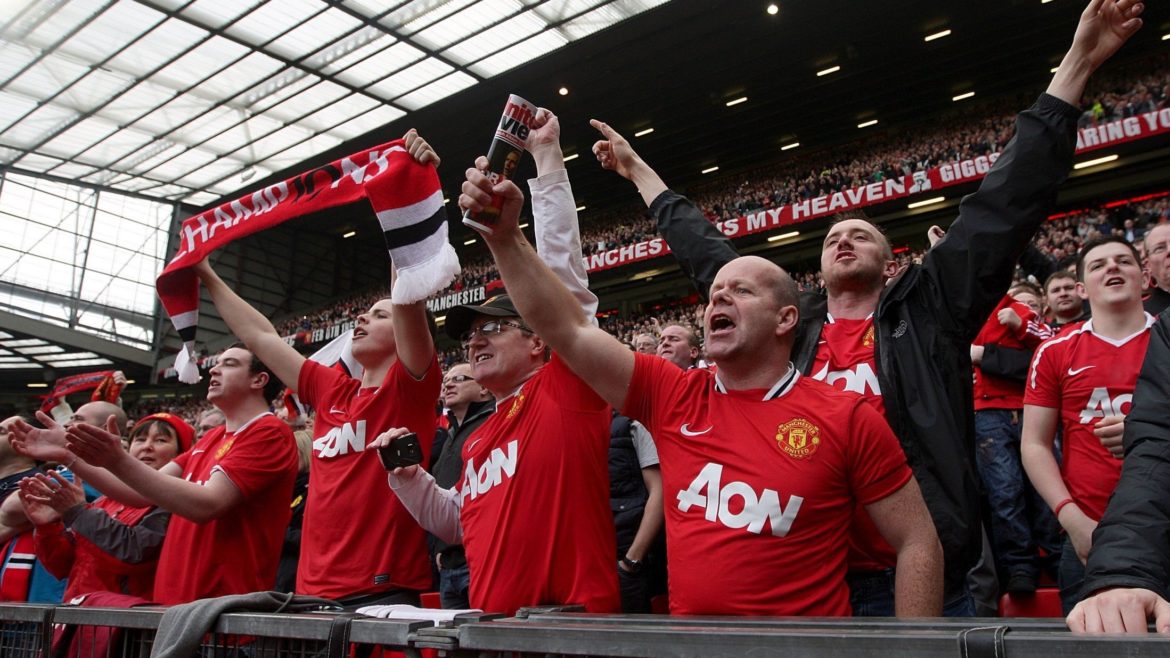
{"x": 238, "y": 552}
{"x": 357, "y": 537}
{"x": 537, "y": 527}
{"x": 846, "y": 360}
{"x": 760, "y": 487}
{"x": 993, "y": 392}
{"x": 1087, "y": 377}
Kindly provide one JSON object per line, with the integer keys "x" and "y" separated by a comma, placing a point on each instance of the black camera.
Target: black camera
{"x": 402, "y": 451}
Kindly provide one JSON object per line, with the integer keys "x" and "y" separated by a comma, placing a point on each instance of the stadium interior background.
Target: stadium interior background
{"x": 674, "y": 67}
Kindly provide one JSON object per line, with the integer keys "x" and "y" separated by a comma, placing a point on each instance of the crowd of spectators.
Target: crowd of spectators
{"x": 946, "y": 137}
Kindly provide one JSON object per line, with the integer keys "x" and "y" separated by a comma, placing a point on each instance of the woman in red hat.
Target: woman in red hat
{"x": 105, "y": 545}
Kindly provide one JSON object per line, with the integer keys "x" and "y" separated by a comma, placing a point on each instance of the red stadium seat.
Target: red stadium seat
{"x": 1044, "y": 603}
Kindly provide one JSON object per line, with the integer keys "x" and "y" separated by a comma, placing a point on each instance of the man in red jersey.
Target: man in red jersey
{"x": 532, "y": 505}
{"x": 761, "y": 466}
{"x": 352, "y": 551}
{"x": 1082, "y": 382}
{"x": 228, "y": 495}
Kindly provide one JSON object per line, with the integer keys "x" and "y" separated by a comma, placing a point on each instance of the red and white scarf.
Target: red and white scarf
{"x": 404, "y": 194}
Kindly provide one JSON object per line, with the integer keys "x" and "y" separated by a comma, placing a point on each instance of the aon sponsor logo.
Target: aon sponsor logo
{"x": 341, "y": 440}
{"x": 861, "y": 379}
{"x": 492, "y": 471}
{"x": 708, "y": 493}
{"x": 1101, "y": 405}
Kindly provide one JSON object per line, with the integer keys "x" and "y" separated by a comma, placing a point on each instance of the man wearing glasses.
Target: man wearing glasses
{"x": 468, "y": 405}
{"x": 531, "y": 503}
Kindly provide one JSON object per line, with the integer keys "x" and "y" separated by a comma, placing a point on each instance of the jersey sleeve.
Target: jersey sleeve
{"x": 570, "y": 391}
{"x": 643, "y": 445}
{"x": 655, "y": 382}
{"x": 261, "y": 456}
{"x": 315, "y": 381}
{"x": 54, "y": 548}
{"x": 1043, "y": 385}
{"x": 877, "y": 463}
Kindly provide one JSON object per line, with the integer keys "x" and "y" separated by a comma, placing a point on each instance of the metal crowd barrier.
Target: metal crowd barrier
{"x": 26, "y": 632}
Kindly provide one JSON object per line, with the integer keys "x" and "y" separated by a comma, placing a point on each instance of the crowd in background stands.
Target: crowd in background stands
{"x": 1130, "y": 90}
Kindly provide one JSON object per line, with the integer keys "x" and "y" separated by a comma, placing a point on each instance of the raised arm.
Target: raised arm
{"x": 554, "y": 211}
{"x": 198, "y": 502}
{"x": 1104, "y": 27}
{"x": 252, "y": 327}
{"x": 697, "y": 244}
{"x": 412, "y": 335}
{"x": 973, "y": 265}
{"x": 544, "y": 302}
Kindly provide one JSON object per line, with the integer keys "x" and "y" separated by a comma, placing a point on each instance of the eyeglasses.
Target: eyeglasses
{"x": 490, "y": 328}
{"x": 458, "y": 379}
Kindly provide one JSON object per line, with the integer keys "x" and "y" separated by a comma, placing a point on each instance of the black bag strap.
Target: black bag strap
{"x": 983, "y": 642}
{"x": 337, "y": 646}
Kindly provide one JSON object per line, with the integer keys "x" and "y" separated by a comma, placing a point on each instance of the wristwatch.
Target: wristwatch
{"x": 632, "y": 566}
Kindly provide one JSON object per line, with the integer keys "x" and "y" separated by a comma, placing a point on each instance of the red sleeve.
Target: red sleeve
{"x": 54, "y": 549}
{"x": 1043, "y": 386}
{"x": 183, "y": 457}
{"x": 260, "y": 456}
{"x": 991, "y": 326}
{"x": 570, "y": 391}
{"x": 655, "y": 381}
{"x": 315, "y": 381}
{"x": 877, "y": 463}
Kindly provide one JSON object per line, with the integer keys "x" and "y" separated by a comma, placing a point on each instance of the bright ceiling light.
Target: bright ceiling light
{"x": 831, "y": 69}
{"x": 38, "y": 385}
{"x": 572, "y": 157}
{"x": 773, "y": 10}
{"x": 789, "y": 147}
{"x": 866, "y": 124}
{"x": 737, "y": 101}
{"x": 471, "y": 241}
{"x": 937, "y": 35}
{"x": 1093, "y": 163}
{"x": 580, "y": 208}
{"x": 963, "y": 97}
{"x": 350, "y": 234}
{"x": 926, "y": 202}
{"x": 710, "y": 169}
{"x": 783, "y": 236}
{"x": 524, "y": 225}
{"x": 644, "y": 132}
{"x": 563, "y": 91}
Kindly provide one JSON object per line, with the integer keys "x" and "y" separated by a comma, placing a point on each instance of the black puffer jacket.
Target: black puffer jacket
{"x": 927, "y": 318}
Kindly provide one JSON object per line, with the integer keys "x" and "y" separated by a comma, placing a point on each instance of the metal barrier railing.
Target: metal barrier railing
{"x": 26, "y": 632}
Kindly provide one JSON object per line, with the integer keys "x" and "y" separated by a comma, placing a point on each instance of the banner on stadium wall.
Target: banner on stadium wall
{"x": 946, "y": 175}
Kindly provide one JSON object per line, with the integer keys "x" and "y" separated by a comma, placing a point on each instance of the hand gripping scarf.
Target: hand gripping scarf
{"x": 404, "y": 194}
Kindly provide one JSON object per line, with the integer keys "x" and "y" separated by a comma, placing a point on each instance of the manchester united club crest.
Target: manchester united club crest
{"x": 798, "y": 438}
{"x": 517, "y": 405}
{"x": 223, "y": 449}
{"x": 867, "y": 339}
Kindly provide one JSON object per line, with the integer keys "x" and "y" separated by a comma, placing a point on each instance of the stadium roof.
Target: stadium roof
{"x": 190, "y": 100}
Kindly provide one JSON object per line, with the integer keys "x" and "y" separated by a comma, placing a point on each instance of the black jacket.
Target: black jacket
{"x": 448, "y": 468}
{"x": 926, "y": 319}
{"x": 1131, "y": 545}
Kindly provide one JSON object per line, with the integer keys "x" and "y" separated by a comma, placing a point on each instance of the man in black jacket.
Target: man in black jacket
{"x": 924, "y": 320}
{"x": 468, "y": 404}
{"x": 1129, "y": 565}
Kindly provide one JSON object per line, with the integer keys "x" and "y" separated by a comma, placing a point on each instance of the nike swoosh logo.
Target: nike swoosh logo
{"x": 197, "y": 452}
{"x": 471, "y": 445}
{"x": 335, "y": 410}
{"x": 1074, "y": 373}
{"x": 686, "y": 431}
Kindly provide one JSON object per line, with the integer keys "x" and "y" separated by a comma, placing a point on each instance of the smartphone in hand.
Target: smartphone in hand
{"x": 403, "y": 451}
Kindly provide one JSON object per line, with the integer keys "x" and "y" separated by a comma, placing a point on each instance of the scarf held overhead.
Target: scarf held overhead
{"x": 404, "y": 194}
